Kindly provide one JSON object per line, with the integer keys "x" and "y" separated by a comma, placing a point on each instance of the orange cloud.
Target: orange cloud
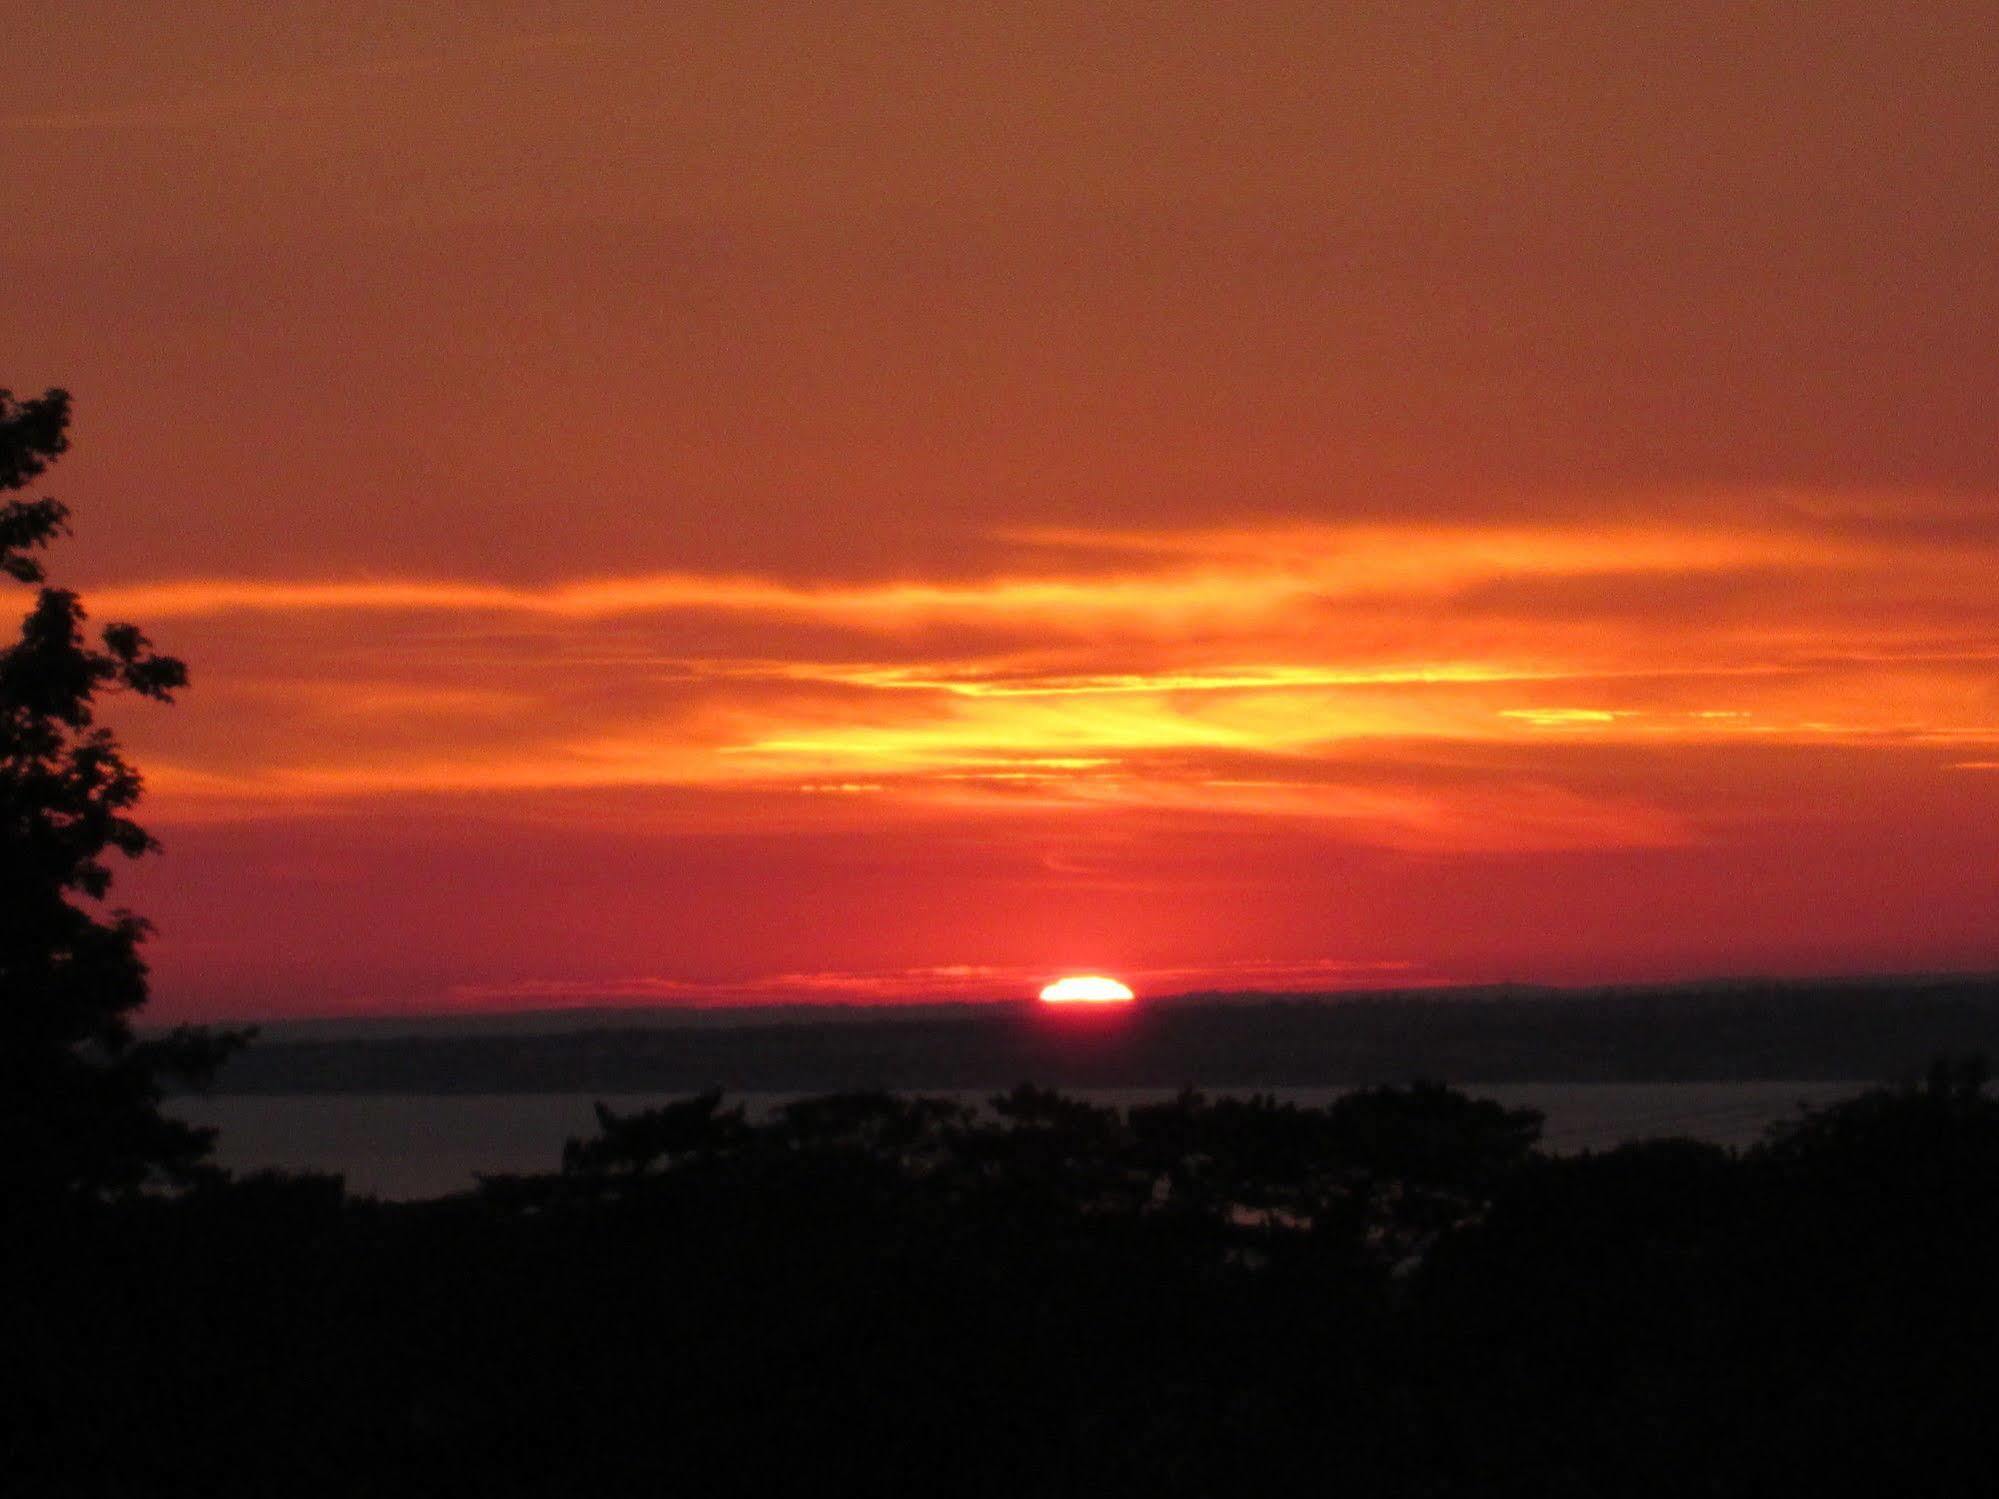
{"x": 1113, "y": 682}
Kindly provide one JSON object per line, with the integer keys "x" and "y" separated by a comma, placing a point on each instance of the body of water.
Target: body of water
{"x": 411, "y": 1146}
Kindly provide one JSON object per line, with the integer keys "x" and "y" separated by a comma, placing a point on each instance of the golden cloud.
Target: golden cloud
{"x": 1086, "y": 686}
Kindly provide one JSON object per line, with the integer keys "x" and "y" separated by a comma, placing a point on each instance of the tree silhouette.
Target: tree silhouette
{"x": 79, "y": 1093}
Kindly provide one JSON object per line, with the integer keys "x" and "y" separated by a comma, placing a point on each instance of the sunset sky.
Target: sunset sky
{"x": 707, "y": 501}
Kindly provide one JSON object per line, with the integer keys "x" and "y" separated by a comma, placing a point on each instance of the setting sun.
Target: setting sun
{"x": 1086, "y": 989}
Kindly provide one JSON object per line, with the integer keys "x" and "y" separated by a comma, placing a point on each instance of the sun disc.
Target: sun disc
{"x": 1086, "y": 988}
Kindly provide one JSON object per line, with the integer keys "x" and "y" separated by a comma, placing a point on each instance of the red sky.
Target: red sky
{"x": 724, "y": 500}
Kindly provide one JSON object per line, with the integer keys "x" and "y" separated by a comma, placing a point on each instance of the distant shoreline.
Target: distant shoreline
{"x": 609, "y": 1015}
{"x": 1836, "y": 1031}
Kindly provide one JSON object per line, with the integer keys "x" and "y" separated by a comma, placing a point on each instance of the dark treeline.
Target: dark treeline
{"x": 1793, "y": 1031}
{"x": 873, "y": 1294}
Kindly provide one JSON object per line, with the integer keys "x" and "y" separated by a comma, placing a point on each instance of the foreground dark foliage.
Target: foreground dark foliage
{"x": 879, "y": 1295}
{"x": 79, "y": 1091}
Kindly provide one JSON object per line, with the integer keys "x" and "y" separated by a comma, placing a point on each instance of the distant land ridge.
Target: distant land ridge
{"x": 1830, "y": 1030}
